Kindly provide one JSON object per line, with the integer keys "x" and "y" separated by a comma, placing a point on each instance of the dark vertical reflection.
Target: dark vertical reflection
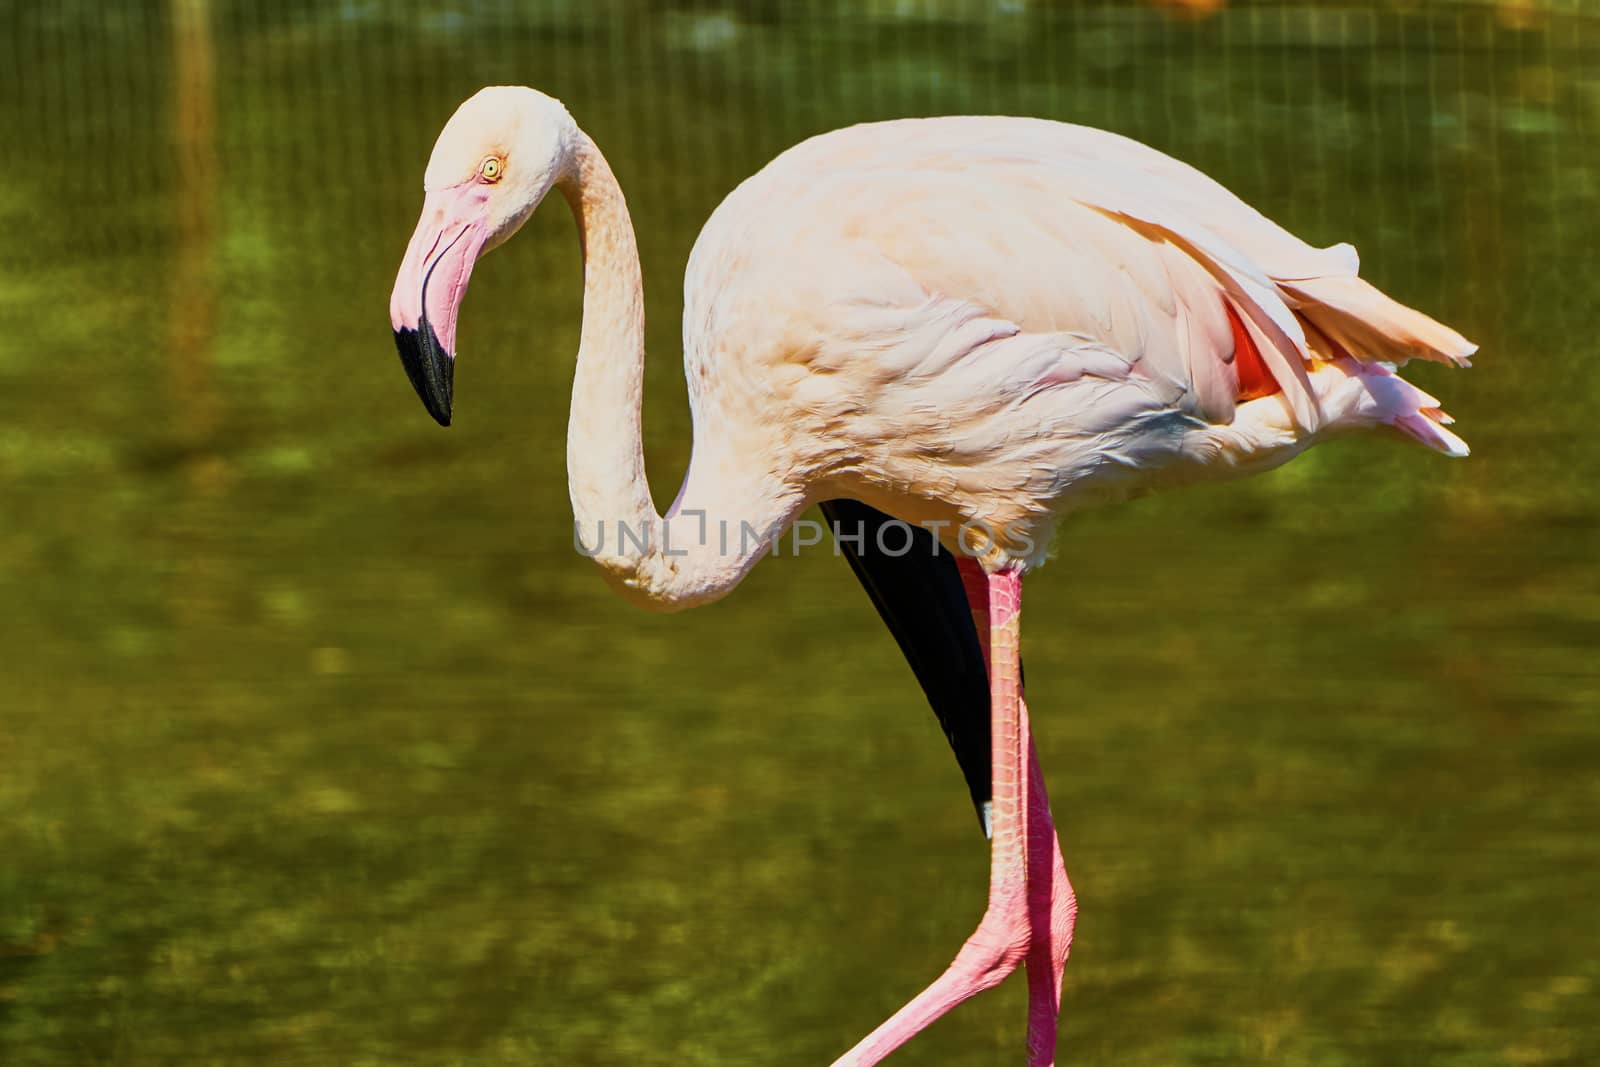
{"x": 194, "y": 404}
{"x": 193, "y": 295}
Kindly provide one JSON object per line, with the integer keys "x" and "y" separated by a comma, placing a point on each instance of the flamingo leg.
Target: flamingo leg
{"x": 1052, "y": 914}
{"x": 1007, "y": 933}
{"x": 1052, "y": 905}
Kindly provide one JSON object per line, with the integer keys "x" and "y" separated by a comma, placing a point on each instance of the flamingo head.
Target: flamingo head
{"x": 494, "y": 161}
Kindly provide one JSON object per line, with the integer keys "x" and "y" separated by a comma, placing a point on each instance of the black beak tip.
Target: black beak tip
{"x": 430, "y": 368}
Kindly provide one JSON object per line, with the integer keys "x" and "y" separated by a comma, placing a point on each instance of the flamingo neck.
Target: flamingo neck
{"x": 662, "y": 564}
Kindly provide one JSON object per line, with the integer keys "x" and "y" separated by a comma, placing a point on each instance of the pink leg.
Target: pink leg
{"x": 1006, "y": 935}
{"x": 1052, "y": 905}
{"x": 1052, "y": 913}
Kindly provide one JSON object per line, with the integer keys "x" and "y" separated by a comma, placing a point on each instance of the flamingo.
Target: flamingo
{"x": 952, "y": 333}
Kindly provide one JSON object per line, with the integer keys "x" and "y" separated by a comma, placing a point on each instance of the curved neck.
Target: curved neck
{"x": 665, "y": 564}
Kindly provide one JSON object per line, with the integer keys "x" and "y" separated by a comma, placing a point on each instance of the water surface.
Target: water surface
{"x": 319, "y": 745}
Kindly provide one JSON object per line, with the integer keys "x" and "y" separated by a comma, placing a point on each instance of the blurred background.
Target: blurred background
{"x": 319, "y": 744}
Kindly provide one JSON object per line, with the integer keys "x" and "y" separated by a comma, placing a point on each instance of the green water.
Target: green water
{"x": 318, "y": 744}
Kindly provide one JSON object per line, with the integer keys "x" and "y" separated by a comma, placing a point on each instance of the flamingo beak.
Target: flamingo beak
{"x": 428, "y": 291}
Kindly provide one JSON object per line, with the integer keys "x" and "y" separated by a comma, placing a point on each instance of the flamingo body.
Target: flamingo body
{"x": 999, "y": 320}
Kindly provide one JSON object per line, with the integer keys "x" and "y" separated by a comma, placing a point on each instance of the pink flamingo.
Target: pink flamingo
{"x": 973, "y": 325}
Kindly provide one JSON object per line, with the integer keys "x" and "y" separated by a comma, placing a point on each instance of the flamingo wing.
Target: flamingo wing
{"x": 874, "y": 238}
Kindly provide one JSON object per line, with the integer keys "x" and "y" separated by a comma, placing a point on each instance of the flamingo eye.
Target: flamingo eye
{"x": 491, "y": 168}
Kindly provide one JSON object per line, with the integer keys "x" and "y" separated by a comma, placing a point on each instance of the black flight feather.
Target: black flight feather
{"x": 920, "y": 597}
